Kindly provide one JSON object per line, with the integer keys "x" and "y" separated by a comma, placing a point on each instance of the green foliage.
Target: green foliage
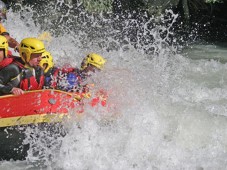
{"x": 213, "y": 1}
{"x": 97, "y": 5}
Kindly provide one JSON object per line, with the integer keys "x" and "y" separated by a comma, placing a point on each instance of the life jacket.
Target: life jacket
{"x": 10, "y": 54}
{"x": 31, "y": 79}
{"x": 8, "y": 60}
{"x": 5, "y": 62}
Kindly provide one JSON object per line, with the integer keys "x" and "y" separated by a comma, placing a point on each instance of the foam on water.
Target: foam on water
{"x": 167, "y": 111}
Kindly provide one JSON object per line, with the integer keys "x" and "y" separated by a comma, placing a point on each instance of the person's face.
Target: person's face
{"x": 3, "y": 15}
{"x": 2, "y": 55}
{"x": 35, "y": 59}
{"x": 91, "y": 69}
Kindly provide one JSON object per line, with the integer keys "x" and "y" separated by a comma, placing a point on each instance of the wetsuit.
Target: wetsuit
{"x": 16, "y": 75}
{"x": 9, "y": 78}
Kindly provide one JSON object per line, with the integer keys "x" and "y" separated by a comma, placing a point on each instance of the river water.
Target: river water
{"x": 166, "y": 110}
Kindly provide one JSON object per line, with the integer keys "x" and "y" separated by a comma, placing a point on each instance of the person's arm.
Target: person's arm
{"x": 12, "y": 42}
{"x": 17, "y": 91}
{"x": 6, "y": 75}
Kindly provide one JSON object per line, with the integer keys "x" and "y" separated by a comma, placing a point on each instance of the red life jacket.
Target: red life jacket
{"x": 5, "y": 62}
{"x": 29, "y": 81}
{"x": 10, "y": 54}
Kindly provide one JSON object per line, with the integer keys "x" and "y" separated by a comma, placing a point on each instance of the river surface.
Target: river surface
{"x": 166, "y": 110}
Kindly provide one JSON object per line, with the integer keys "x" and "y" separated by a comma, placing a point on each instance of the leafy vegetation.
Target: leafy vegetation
{"x": 213, "y": 1}
{"x": 97, "y": 5}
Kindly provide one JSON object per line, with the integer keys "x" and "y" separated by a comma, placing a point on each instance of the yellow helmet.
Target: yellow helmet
{"x": 94, "y": 59}
{"x": 47, "y": 61}
{"x": 4, "y": 45}
{"x": 29, "y": 46}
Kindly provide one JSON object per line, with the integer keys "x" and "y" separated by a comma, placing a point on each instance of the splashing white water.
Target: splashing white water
{"x": 171, "y": 111}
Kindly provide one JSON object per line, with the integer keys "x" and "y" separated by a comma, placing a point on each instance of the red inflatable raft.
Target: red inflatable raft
{"x": 36, "y": 107}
